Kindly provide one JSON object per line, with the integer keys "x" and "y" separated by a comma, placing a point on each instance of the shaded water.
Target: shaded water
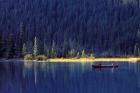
{"x": 34, "y": 77}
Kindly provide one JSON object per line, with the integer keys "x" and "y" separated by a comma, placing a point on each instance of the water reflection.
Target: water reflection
{"x": 34, "y": 77}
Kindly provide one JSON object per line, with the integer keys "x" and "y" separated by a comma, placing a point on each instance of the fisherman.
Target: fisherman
{"x": 112, "y": 64}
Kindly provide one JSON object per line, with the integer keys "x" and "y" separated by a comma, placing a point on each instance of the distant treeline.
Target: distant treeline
{"x": 102, "y": 27}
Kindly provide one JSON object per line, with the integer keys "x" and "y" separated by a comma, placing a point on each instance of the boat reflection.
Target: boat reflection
{"x": 35, "y": 77}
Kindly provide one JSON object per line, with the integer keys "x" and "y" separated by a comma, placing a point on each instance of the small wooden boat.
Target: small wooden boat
{"x": 104, "y": 66}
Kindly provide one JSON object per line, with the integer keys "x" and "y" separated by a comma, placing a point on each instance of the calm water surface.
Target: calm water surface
{"x": 34, "y": 77}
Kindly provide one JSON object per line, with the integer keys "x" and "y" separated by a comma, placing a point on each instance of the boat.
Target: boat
{"x": 104, "y": 66}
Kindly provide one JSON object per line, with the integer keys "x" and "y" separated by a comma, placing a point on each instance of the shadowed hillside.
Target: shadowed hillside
{"x": 102, "y": 27}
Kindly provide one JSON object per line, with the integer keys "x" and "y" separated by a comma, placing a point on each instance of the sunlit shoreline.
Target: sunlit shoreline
{"x": 80, "y": 60}
{"x": 69, "y": 60}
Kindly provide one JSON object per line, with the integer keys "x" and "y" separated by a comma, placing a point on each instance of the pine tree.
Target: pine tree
{"x": 138, "y": 3}
{"x": 11, "y": 49}
{"x": 45, "y": 45}
{"x": 21, "y": 40}
{"x": 35, "y": 50}
{"x": 1, "y": 45}
{"x": 45, "y": 48}
{"x": 53, "y": 53}
{"x": 70, "y": 54}
{"x": 83, "y": 55}
{"x": 91, "y": 56}
{"x": 78, "y": 55}
{"x": 24, "y": 49}
{"x": 136, "y": 50}
{"x": 0, "y": 40}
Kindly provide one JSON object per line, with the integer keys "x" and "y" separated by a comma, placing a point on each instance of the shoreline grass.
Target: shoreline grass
{"x": 69, "y": 60}
{"x": 129, "y": 59}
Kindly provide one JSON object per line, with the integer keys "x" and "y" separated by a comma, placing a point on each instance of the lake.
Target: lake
{"x": 35, "y": 77}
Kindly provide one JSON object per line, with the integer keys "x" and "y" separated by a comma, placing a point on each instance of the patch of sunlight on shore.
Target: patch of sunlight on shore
{"x": 71, "y": 60}
{"x": 131, "y": 60}
{"x": 89, "y": 60}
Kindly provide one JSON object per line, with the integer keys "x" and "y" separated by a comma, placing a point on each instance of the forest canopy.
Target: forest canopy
{"x": 102, "y": 27}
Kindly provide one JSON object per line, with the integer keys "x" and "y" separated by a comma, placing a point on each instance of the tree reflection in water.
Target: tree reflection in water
{"x": 34, "y": 77}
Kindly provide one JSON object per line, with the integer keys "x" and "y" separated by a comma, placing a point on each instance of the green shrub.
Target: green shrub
{"x": 91, "y": 56}
{"x": 83, "y": 55}
{"x": 78, "y": 55}
{"x": 28, "y": 57}
{"x": 41, "y": 58}
{"x": 53, "y": 53}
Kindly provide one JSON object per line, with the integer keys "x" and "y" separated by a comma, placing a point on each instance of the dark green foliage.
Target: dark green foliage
{"x": 83, "y": 54}
{"x": 41, "y": 58}
{"x": 24, "y": 49}
{"x": 78, "y": 55}
{"x": 136, "y": 50}
{"x": 1, "y": 46}
{"x": 28, "y": 57}
{"x": 1, "y": 43}
{"x": 71, "y": 54}
{"x": 21, "y": 40}
{"x": 91, "y": 56}
{"x": 53, "y": 53}
{"x": 107, "y": 27}
{"x": 10, "y": 49}
{"x": 35, "y": 48}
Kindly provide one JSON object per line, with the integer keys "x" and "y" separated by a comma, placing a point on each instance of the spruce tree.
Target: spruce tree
{"x": 91, "y": 56}
{"x": 35, "y": 49}
{"x": 138, "y": 52}
{"x": 10, "y": 53}
{"x": 83, "y": 55}
{"x": 78, "y": 55}
{"x": 21, "y": 40}
{"x": 24, "y": 49}
{"x": 70, "y": 54}
{"x": 1, "y": 45}
{"x": 0, "y": 40}
{"x": 135, "y": 50}
{"x": 45, "y": 45}
{"x": 53, "y": 53}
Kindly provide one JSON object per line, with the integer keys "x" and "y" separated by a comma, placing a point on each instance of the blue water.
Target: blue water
{"x": 34, "y": 77}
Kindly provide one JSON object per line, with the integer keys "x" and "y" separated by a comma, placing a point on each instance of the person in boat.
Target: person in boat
{"x": 100, "y": 64}
{"x": 113, "y": 65}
